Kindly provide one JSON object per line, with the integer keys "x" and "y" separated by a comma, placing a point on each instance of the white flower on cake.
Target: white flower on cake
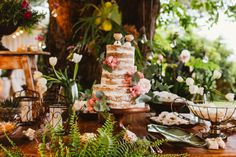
{"x": 145, "y": 85}
{"x": 53, "y": 61}
{"x": 189, "y": 81}
{"x": 216, "y": 74}
{"x": 111, "y": 62}
{"x": 184, "y": 56}
{"x": 180, "y": 79}
{"x": 76, "y": 58}
{"x": 193, "y": 89}
{"x": 230, "y": 96}
{"x": 135, "y": 91}
{"x": 37, "y": 75}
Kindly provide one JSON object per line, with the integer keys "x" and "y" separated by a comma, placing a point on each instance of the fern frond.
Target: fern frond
{"x": 42, "y": 146}
{"x": 74, "y": 135}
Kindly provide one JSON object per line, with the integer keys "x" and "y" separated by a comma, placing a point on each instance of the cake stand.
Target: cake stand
{"x": 120, "y": 113}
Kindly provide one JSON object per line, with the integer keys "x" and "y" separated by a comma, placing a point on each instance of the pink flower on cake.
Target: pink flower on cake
{"x": 135, "y": 91}
{"x": 112, "y": 62}
{"x": 144, "y": 85}
{"x": 131, "y": 72}
{"x": 127, "y": 80}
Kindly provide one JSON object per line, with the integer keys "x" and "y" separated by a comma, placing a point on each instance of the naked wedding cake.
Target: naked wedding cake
{"x": 117, "y": 81}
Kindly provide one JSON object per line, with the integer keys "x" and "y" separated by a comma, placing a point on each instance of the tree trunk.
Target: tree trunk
{"x": 60, "y": 32}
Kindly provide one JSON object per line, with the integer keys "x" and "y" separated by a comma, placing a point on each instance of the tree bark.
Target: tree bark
{"x": 141, "y": 13}
{"x": 60, "y": 32}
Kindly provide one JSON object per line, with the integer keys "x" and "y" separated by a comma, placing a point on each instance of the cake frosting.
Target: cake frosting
{"x": 114, "y": 84}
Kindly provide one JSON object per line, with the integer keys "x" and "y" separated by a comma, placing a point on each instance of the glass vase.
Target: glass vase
{"x": 70, "y": 92}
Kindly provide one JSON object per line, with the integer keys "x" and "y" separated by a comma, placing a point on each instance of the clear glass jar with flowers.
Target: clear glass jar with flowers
{"x": 70, "y": 87}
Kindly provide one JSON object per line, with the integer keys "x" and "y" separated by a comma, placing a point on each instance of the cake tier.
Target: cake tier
{"x": 121, "y": 70}
{"x": 112, "y": 84}
{"x": 120, "y": 52}
{"x": 114, "y": 94}
{"x": 113, "y": 79}
{"x": 120, "y": 49}
{"x": 126, "y": 62}
{"x": 113, "y": 89}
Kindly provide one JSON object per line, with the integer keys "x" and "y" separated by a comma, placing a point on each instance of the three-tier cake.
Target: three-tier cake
{"x": 114, "y": 82}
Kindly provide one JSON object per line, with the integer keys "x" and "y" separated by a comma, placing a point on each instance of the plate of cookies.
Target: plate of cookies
{"x": 173, "y": 119}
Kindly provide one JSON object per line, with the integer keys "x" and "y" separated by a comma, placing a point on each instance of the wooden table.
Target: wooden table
{"x": 137, "y": 123}
{"x": 10, "y": 60}
{"x": 21, "y": 60}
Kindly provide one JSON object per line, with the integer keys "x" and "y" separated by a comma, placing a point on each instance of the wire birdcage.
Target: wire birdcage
{"x": 29, "y": 102}
{"x": 55, "y": 107}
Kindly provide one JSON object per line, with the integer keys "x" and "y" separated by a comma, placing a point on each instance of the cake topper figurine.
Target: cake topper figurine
{"x": 118, "y": 37}
{"x": 128, "y": 39}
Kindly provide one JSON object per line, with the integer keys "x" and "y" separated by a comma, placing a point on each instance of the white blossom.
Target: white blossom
{"x": 53, "y": 61}
{"x": 41, "y": 82}
{"x": 193, "y": 89}
{"x": 130, "y": 136}
{"x": 145, "y": 85}
{"x": 191, "y": 68}
{"x": 37, "y": 75}
{"x": 160, "y": 58}
{"x": 78, "y": 105}
{"x": 76, "y": 58}
{"x": 42, "y": 90}
{"x": 184, "y": 56}
{"x": 189, "y": 81}
{"x": 30, "y": 133}
{"x": 216, "y": 74}
{"x": 180, "y": 79}
{"x": 200, "y": 90}
{"x": 230, "y": 96}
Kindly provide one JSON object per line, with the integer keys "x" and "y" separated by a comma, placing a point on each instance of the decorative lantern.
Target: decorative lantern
{"x": 55, "y": 106}
{"x": 29, "y": 102}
